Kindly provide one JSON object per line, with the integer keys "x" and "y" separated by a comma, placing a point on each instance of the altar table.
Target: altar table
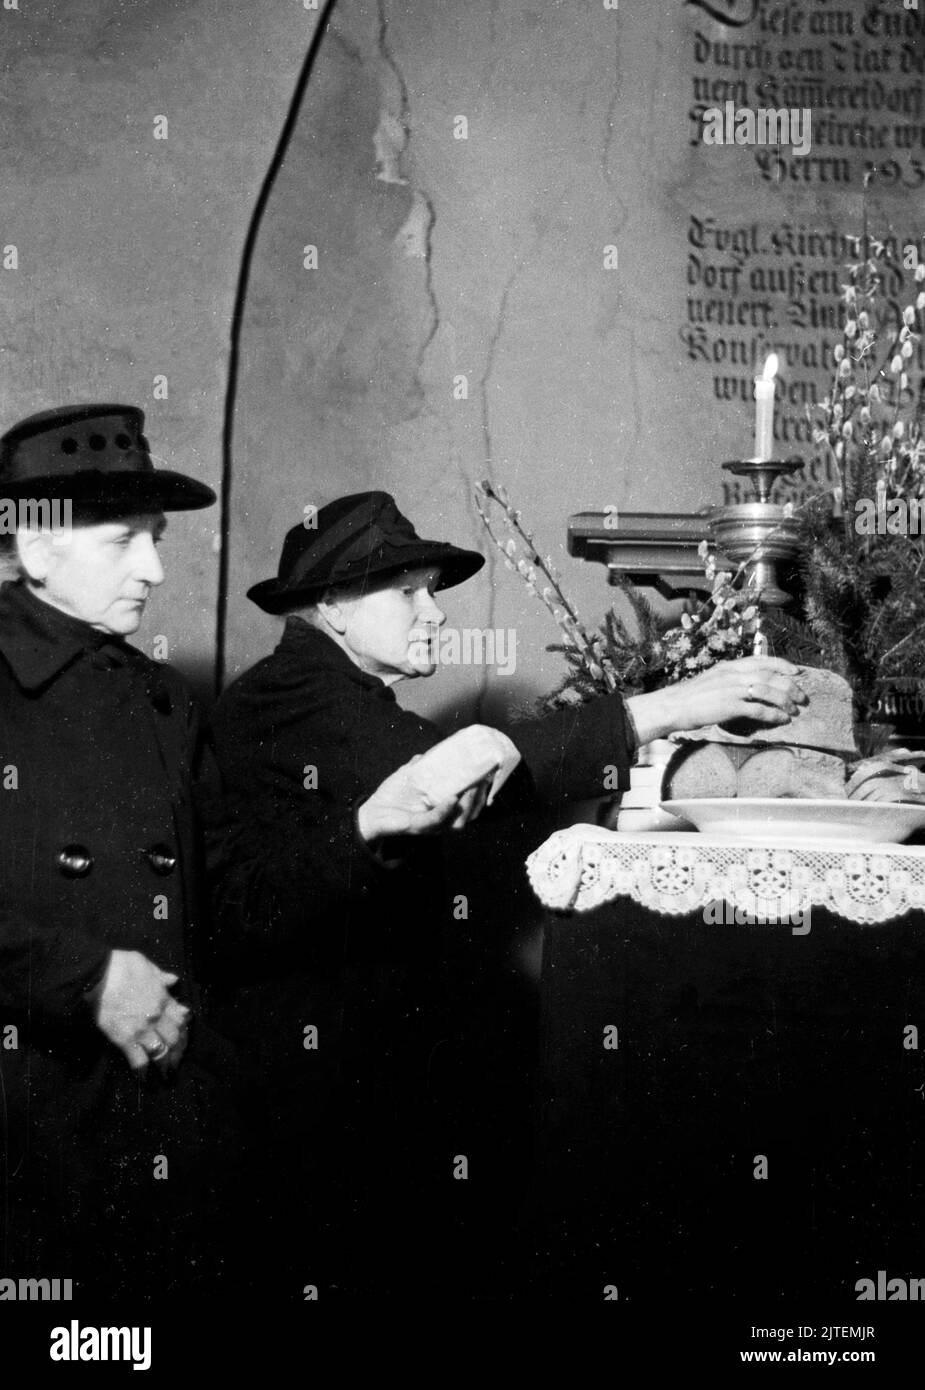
{"x": 732, "y": 1104}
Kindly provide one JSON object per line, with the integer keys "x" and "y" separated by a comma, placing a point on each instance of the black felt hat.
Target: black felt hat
{"x": 93, "y": 456}
{"x": 356, "y": 539}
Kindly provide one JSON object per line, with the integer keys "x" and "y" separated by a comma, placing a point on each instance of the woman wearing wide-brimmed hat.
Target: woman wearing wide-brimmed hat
{"x": 330, "y": 918}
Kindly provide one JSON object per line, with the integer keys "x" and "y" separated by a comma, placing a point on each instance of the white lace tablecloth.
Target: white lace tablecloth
{"x": 585, "y": 866}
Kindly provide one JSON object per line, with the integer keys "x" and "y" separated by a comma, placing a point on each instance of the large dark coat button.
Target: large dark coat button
{"x": 74, "y": 861}
{"x": 161, "y": 858}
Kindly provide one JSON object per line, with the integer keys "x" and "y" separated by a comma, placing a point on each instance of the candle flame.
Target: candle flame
{"x": 770, "y": 367}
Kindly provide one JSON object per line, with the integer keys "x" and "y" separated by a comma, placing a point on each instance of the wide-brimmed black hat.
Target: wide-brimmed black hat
{"x": 93, "y": 456}
{"x": 362, "y": 538}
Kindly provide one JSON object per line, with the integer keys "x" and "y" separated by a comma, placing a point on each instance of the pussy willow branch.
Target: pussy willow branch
{"x": 596, "y": 668}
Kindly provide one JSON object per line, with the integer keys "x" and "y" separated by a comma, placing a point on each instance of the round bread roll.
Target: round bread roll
{"x": 699, "y": 770}
{"x": 803, "y": 773}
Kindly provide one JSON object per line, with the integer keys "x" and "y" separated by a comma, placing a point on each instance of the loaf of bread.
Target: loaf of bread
{"x": 807, "y": 758}
{"x": 826, "y": 721}
{"x": 698, "y": 770}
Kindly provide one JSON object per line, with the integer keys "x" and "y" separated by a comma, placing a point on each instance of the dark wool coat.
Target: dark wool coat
{"x": 97, "y": 851}
{"x": 312, "y": 929}
{"x": 301, "y": 740}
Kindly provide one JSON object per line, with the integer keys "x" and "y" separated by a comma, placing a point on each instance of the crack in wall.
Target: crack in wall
{"x": 392, "y": 139}
{"x": 493, "y": 49}
{"x": 393, "y": 132}
{"x": 541, "y": 229}
{"x": 625, "y": 487}
{"x": 388, "y": 57}
{"x": 428, "y": 281}
{"x": 608, "y": 118}
{"x": 493, "y": 25}
{"x": 622, "y": 209}
{"x": 352, "y": 50}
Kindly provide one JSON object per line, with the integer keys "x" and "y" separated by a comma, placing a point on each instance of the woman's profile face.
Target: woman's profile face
{"x": 391, "y": 631}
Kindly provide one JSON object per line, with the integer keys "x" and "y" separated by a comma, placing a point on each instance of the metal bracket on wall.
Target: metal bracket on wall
{"x": 655, "y": 549}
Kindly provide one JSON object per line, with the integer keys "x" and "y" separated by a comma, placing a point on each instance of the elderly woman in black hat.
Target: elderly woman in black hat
{"x": 97, "y": 873}
{"x": 330, "y": 904}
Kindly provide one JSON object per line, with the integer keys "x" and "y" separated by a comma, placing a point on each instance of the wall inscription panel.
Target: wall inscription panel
{"x": 825, "y": 103}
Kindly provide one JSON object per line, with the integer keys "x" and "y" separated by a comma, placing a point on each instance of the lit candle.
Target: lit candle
{"x": 764, "y": 409}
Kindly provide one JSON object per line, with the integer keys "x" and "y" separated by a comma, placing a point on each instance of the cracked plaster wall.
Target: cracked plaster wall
{"x": 129, "y": 247}
{"x": 439, "y": 256}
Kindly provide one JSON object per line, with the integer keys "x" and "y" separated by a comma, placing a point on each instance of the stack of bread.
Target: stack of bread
{"x": 814, "y": 756}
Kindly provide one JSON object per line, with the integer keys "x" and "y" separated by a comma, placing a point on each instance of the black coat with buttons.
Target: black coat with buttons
{"x": 97, "y": 850}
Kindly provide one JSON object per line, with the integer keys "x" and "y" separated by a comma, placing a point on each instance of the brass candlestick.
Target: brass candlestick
{"x": 764, "y": 473}
{"x": 759, "y": 534}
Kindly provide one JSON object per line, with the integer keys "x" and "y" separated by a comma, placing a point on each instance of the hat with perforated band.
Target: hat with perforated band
{"x": 93, "y": 456}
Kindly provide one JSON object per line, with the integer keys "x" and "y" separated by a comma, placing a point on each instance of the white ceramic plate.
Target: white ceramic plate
{"x": 767, "y": 819}
{"x": 646, "y": 818}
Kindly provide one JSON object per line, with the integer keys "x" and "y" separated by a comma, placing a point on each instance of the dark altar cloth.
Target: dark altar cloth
{"x": 733, "y": 1042}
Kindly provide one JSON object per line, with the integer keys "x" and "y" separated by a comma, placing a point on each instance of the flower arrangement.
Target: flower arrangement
{"x": 864, "y": 570}
{"x": 615, "y": 658}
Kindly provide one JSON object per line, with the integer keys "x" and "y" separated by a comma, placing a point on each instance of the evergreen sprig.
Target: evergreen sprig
{"x": 864, "y": 589}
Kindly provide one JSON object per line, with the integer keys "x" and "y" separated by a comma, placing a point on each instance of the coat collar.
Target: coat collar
{"x": 39, "y": 641}
{"x": 310, "y": 646}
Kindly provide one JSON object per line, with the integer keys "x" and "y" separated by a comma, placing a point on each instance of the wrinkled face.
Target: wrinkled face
{"x": 391, "y": 631}
{"x": 101, "y": 573}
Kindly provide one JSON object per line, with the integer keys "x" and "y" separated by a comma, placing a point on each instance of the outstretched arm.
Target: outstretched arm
{"x": 763, "y": 690}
